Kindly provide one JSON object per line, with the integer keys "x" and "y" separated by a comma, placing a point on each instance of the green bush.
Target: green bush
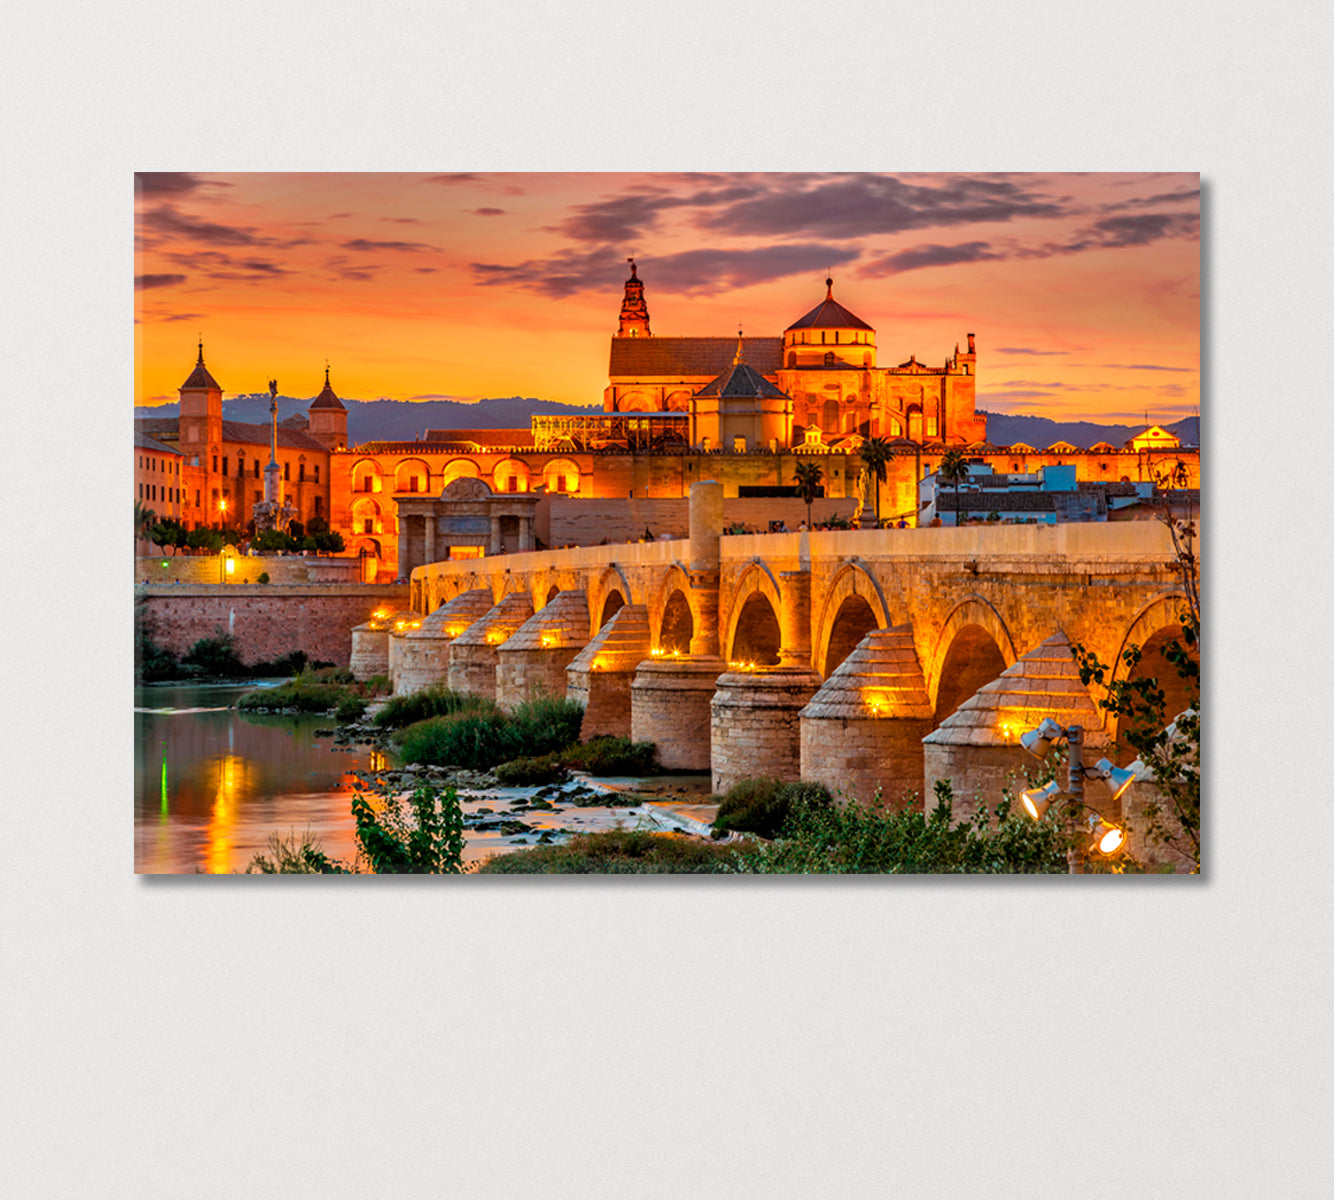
{"x": 350, "y": 708}
{"x": 215, "y": 656}
{"x": 821, "y": 838}
{"x": 435, "y": 701}
{"x": 484, "y": 737}
{"x": 612, "y": 756}
{"x": 531, "y": 772}
{"x": 263, "y": 577}
{"x": 751, "y": 806}
{"x": 295, "y": 856}
{"x": 617, "y": 852}
{"x": 426, "y": 840}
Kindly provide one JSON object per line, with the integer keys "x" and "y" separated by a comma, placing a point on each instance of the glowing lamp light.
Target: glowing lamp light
{"x": 548, "y": 640}
{"x": 1037, "y": 802}
{"x": 494, "y": 638}
{"x": 1038, "y": 741}
{"x": 231, "y": 566}
{"x": 1108, "y": 840}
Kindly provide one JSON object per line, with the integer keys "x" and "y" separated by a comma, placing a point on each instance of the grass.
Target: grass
{"x": 761, "y": 806}
{"x": 602, "y": 756}
{"x": 434, "y": 701}
{"x": 314, "y": 691}
{"x": 485, "y": 737}
{"x": 617, "y": 852}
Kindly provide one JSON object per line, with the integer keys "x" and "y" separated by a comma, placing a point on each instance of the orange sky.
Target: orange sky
{"x": 1083, "y": 289}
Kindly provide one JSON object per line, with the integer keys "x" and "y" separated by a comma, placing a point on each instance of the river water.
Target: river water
{"x": 212, "y": 784}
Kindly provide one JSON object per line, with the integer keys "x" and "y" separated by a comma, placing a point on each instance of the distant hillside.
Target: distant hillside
{"x": 1040, "y": 432}
{"x": 396, "y": 420}
{"x": 404, "y": 421}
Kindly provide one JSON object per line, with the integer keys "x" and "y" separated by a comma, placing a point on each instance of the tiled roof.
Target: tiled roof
{"x": 449, "y": 620}
{"x": 499, "y": 622}
{"x": 562, "y": 624}
{"x": 687, "y": 357}
{"x": 1044, "y": 683}
{"x": 479, "y": 437}
{"x": 199, "y": 377}
{"x": 829, "y": 314}
{"x": 741, "y": 380}
{"x": 152, "y": 425}
{"x": 881, "y": 678}
{"x": 256, "y": 434}
{"x": 996, "y": 501}
{"x": 621, "y": 644}
{"x": 143, "y": 442}
{"x": 326, "y": 398}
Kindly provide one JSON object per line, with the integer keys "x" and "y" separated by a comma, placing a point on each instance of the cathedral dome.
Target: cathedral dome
{"x": 828, "y": 314}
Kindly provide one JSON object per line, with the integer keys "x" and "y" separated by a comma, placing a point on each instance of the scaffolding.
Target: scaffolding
{"x": 613, "y": 431}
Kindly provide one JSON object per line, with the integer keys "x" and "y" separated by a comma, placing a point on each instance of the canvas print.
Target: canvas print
{"x": 709, "y": 522}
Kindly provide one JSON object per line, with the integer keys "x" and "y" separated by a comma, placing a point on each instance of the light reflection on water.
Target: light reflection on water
{"x": 212, "y": 784}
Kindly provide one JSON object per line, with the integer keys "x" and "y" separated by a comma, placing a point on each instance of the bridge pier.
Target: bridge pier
{"x": 599, "y": 677}
{"x": 534, "y": 658}
{"x": 473, "y": 654}
{"x": 755, "y": 723}
{"x": 370, "y": 643}
{"x": 422, "y": 656}
{"x": 977, "y": 746}
{"x": 670, "y": 702}
{"x": 862, "y": 732}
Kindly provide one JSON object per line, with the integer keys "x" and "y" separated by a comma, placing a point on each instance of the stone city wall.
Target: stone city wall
{"x": 209, "y": 568}
{"x": 268, "y": 621}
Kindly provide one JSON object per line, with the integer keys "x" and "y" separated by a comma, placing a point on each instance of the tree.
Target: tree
{"x": 167, "y": 533}
{"x": 144, "y": 517}
{"x": 954, "y": 469}
{"x": 875, "y": 456}
{"x": 810, "y": 478}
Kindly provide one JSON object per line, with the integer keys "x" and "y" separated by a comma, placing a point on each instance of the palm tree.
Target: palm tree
{"x": 954, "y": 469}
{"x": 144, "y": 519}
{"x": 809, "y": 478}
{"x": 875, "y": 456}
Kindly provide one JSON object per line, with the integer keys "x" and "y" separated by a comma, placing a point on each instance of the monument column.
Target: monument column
{"x": 706, "y": 527}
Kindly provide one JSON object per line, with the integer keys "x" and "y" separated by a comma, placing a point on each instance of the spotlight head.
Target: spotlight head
{"x": 1038, "y": 741}
{"x": 1108, "y": 840}
{"x": 1037, "y": 801}
{"x": 1119, "y": 778}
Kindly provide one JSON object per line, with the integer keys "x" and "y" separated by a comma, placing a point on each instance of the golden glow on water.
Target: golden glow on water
{"x": 229, "y": 781}
{"x": 378, "y": 761}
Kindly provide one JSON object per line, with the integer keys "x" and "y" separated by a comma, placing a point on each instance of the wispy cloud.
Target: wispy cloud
{"x": 362, "y": 245}
{"x": 167, "y": 220}
{"x": 1143, "y": 367}
{"x": 488, "y": 212}
{"x": 692, "y": 272}
{"x": 930, "y": 255}
{"x": 144, "y": 282}
{"x": 151, "y": 185}
{"x": 1026, "y": 350}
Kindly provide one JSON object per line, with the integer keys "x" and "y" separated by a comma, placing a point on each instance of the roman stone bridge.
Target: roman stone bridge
{"x": 764, "y": 622}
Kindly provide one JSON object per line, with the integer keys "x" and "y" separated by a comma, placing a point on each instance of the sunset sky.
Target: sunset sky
{"x": 1083, "y": 289}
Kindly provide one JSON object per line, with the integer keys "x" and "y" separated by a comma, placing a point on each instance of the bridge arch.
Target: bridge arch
{"x": 753, "y": 620}
{"x": 666, "y": 621}
{"x": 1152, "y": 629}
{"x": 852, "y": 586}
{"x": 608, "y": 585}
{"x": 973, "y": 647}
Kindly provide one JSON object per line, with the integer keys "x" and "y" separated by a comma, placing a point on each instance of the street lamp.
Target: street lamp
{"x": 1107, "y": 839}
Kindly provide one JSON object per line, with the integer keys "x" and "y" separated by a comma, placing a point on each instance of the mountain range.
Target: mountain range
{"x": 405, "y": 421}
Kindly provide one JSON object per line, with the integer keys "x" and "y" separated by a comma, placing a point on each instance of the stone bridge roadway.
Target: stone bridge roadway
{"x": 976, "y": 598}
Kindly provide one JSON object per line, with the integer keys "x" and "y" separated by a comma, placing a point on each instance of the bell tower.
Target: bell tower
{"x": 634, "y": 311}
{"x": 200, "y": 421}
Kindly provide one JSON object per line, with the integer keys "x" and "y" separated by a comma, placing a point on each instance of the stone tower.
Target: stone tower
{"x": 634, "y": 309}
{"x": 328, "y": 418}
{"x": 201, "y": 414}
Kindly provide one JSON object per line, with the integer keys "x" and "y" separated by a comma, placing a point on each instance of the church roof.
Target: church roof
{"x": 740, "y": 380}
{"x": 482, "y": 438}
{"x": 829, "y": 314}
{"x": 683, "y": 357}
{"x": 143, "y": 442}
{"x": 326, "y": 398}
{"x": 199, "y": 377}
{"x": 255, "y": 433}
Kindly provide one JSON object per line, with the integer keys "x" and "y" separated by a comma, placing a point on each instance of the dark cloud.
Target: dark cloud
{"x": 455, "y": 177}
{"x": 401, "y": 220}
{"x": 340, "y": 216}
{"x": 692, "y": 272}
{"x": 168, "y": 221}
{"x": 1026, "y": 350}
{"x": 488, "y": 212}
{"x": 425, "y": 270}
{"x": 340, "y": 268}
{"x": 154, "y": 184}
{"x": 626, "y": 217}
{"x": 1141, "y": 230}
{"x": 182, "y": 317}
{"x": 1142, "y": 367}
{"x": 1153, "y": 201}
{"x": 859, "y": 205}
{"x": 144, "y": 282}
{"x": 929, "y": 255}
{"x": 362, "y": 245}
{"x": 215, "y": 264}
